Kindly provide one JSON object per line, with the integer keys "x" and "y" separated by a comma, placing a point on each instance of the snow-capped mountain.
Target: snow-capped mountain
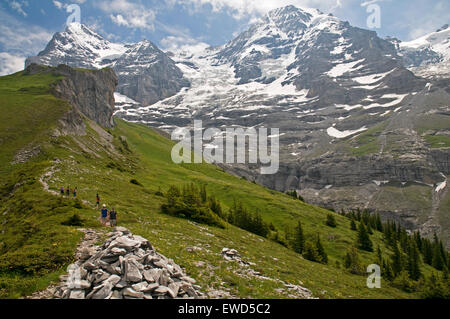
{"x": 145, "y": 72}
{"x": 428, "y": 55}
{"x": 79, "y": 46}
{"x": 351, "y": 116}
{"x": 294, "y": 63}
{"x": 438, "y": 42}
{"x": 357, "y": 127}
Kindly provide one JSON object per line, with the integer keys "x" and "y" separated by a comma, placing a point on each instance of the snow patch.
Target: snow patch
{"x": 331, "y": 131}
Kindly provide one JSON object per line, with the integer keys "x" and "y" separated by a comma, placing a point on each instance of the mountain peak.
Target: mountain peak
{"x": 443, "y": 28}
{"x": 76, "y": 28}
{"x": 293, "y": 12}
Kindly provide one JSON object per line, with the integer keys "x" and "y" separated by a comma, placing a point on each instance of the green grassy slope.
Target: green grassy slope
{"x": 35, "y": 248}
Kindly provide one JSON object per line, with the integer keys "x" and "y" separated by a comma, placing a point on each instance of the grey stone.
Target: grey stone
{"x": 129, "y": 292}
{"x": 151, "y": 287}
{"x": 175, "y": 287}
{"x": 77, "y": 294}
{"x": 121, "y": 284}
{"x": 101, "y": 276}
{"x": 132, "y": 272}
{"x": 142, "y": 286}
{"x": 161, "y": 290}
{"x": 103, "y": 292}
{"x": 125, "y": 242}
{"x": 116, "y": 295}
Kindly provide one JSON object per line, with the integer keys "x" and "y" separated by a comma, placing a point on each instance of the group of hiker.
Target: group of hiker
{"x": 67, "y": 191}
{"x": 105, "y": 216}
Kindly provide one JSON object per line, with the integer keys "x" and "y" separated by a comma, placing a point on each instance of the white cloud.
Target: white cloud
{"x": 183, "y": 44}
{"x": 128, "y": 14}
{"x": 18, "y": 6}
{"x": 21, "y": 39}
{"x": 243, "y": 8}
{"x": 424, "y": 22}
{"x": 10, "y": 63}
{"x": 58, "y": 4}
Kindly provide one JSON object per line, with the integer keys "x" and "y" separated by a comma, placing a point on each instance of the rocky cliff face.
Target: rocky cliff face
{"x": 147, "y": 74}
{"x": 89, "y": 92}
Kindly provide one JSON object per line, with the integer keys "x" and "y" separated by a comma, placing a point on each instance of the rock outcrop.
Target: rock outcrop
{"x": 125, "y": 267}
{"x": 91, "y": 92}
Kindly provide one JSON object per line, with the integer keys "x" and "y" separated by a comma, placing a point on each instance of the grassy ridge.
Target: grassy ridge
{"x": 35, "y": 247}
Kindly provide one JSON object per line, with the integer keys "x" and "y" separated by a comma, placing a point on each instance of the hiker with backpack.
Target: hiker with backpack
{"x": 104, "y": 215}
{"x": 62, "y": 191}
{"x": 98, "y": 201}
{"x": 75, "y": 192}
{"x": 68, "y": 191}
{"x": 113, "y": 217}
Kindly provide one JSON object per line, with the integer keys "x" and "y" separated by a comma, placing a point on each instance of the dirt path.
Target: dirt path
{"x": 48, "y": 175}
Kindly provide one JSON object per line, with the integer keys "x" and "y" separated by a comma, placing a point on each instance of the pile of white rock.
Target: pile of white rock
{"x": 125, "y": 267}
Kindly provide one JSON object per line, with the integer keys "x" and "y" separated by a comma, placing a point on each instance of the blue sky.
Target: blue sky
{"x": 27, "y": 25}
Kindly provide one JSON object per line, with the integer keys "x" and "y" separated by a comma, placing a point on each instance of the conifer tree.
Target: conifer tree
{"x": 352, "y": 262}
{"x": 321, "y": 251}
{"x": 379, "y": 260}
{"x": 363, "y": 241}
{"x": 438, "y": 261}
{"x": 379, "y": 224}
{"x": 299, "y": 239}
{"x": 397, "y": 261}
{"x": 387, "y": 270}
{"x": 413, "y": 261}
{"x": 353, "y": 225}
{"x": 310, "y": 252}
{"x": 369, "y": 229}
{"x": 427, "y": 252}
{"x": 331, "y": 221}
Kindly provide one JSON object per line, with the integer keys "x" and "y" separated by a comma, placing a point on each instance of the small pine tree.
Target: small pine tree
{"x": 379, "y": 224}
{"x": 369, "y": 229}
{"x": 397, "y": 261}
{"x": 310, "y": 252}
{"x": 427, "y": 252}
{"x": 363, "y": 240}
{"x": 321, "y": 251}
{"x": 299, "y": 239}
{"x": 403, "y": 282}
{"x": 379, "y": 260}
{"x": 435, "y": 288}
{"x": 414, "y": 261}
{"x": 438, "y": 261}
{"x": 353, "y": 225}
{"x": 388, "y": 273}
{"x": 331, "y": 221}
{"x": 352, "y": 262}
